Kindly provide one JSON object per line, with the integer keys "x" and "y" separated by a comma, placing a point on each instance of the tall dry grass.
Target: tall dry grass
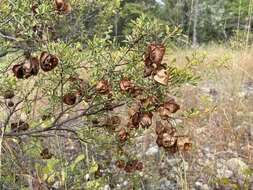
{"x": 218, "y": 111}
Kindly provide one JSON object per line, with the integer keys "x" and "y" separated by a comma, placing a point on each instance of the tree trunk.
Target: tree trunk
{"x": 116, "y": 20}
{"x": 195, "y": 24}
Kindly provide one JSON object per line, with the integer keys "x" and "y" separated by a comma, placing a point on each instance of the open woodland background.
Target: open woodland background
{"x": 89, "y": 139}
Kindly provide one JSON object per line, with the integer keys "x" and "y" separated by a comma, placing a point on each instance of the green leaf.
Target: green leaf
{"x": 94, "y": 184}
{"x": 51, "y": 163}
{"x": 32, "y": 149}
{"x": 93, "y": 168}
{"x": 64, "y": 175}
{"x": 224, "y": 181}
{"x": 77, "y": 160}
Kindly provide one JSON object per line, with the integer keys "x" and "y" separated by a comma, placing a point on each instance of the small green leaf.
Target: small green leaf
{"x": 51, "y": 163}
{"x": 95, "y": 184}
{"x": 93, "y": 168}
{"x": 77, "y": 160}
{"x": 224, "y": 181}
{"x": 64, "y": 175}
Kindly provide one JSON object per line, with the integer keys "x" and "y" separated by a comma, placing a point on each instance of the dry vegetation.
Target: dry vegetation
{"x": 218, "y": 114}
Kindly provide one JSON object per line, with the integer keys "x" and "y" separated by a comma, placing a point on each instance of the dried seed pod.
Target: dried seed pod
{"x": 170, "y": 129}
{"x": 59, "y": 4}
{"x": 136, "y": 91}
{"x": 27, "y": 69}
{"x": 69, "y": 99}
{"x": 139, "y": 166}
{"x": 168, "y": 140}
{"x": 123, "y": 135}
{"x": 147, "y": 60}
{"x": 19, "y": 126}
{"x": 62, "y": 6}
{"x": 159, "y": 141}
{"x": 9, "y": 94}
{"x": 23, "y": 126}
{"x": 184, "y": 143}
{"x": 155, "y": 52}
{"x": 34, "y": 9}
{"x": 30, "y": 67}
{"x": 35, "y": 65}
{"x": 46, "y": 116}
{"x": 160, "y": 128}
{"x": 45, "y": 154}
{"x": 172, "y": 106}
{"x": 173, "y": 149}
{"x": 146, "y": 119}
{"x": 120, "y": 164}
{"x": 166, "y": 109}
{"x": 102, "y": 87}
{"x": 126, "y": 85}
{"x": 160, "y": 67}
{"x": 148, "y": 70}
{"x": 135, "y": 107}
{"x": 162, "y": 77}
{"x": 10, "y": 104}
{"x": 136, "y": 119}
{"x": 18, "y": 71}
{"x": 14, "y": 126}
{"x": 130, "y": 166}
{"x": 164, "y": 113}
{"x": 48, "y": 61}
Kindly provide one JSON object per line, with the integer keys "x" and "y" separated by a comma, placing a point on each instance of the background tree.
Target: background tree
{"x": 218, "y": 20}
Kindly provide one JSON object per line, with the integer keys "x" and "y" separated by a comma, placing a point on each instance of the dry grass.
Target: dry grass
{"x": 221, "y": 123}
